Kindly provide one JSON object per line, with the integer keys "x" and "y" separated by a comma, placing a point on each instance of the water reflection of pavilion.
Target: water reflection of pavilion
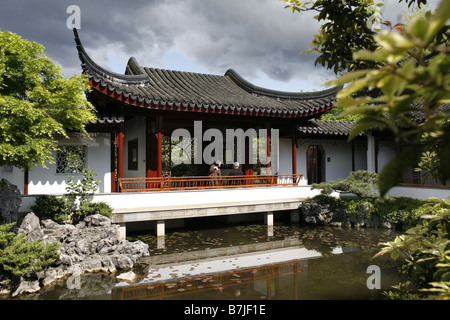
{"x": 258, "y": 269}
{"x": 260, "y": 276}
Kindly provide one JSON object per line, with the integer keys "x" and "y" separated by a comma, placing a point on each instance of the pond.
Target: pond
{"x": 246, "y": 261}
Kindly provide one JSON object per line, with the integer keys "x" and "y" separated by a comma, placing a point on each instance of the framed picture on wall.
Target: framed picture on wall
{"x": 133, "y": 154}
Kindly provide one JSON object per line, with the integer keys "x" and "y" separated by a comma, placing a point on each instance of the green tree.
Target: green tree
{"x": 36, "y": 103}
{"x": 425, "y": 254}
{"x": 414, "y": 86}
{"x": 397, "y": 81}
{"x": 348, "y": 26}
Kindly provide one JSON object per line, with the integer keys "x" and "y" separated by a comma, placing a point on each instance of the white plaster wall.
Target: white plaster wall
{"x": 360, "y": 156}
{"x": 135, "y": 129}
{"x": 285, "y": 156}
{"x": 340, "y": 160}
{"x": 285, "y": 159}
{"x": 386, "y": 151}
{"x": 420, "y": 193}
{"x": 339, "y": 152}
{"x": 47, "y": 181}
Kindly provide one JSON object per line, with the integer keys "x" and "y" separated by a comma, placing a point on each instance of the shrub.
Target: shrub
{"x": 51, "y": 207}
{"x": 402, "y": 211}
{"x": 425, "y": 254}
{"x": 361, "y": 183}
{"x": 91, "y": 208}
{"x": 61, "y": 210}
{"x": 84, "y": 189}
{"x": 19, "y": 257}
{"x": 356, "y": 208}
{"x": 399, "y": 210}
{"x": 324, "y": 199}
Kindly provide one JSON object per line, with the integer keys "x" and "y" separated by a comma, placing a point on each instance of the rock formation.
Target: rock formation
{"x": 10, "y": 201}
{"x": 93, "y": 245}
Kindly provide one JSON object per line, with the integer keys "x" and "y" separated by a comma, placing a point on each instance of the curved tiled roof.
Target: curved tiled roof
{"x": 322, "y": 127}
{"x": 188, "y": 91}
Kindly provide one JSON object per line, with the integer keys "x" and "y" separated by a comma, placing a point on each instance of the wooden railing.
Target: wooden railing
{"x": 193, "y": 183}
{"x": 415, "y": 180}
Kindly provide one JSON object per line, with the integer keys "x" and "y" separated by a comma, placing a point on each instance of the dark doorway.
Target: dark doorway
{"x": 315, "y": 161}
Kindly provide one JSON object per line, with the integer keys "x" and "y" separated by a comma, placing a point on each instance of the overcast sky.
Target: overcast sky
{"x": 259, "y": 39}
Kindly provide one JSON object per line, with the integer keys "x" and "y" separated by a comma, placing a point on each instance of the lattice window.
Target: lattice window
{"x": 7, "y": 169}
{"x": 71, "y": 159}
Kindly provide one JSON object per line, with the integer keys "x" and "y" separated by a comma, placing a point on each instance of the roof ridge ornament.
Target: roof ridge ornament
{"x": 280, "y": 95}
{"x": 139, "y": 76}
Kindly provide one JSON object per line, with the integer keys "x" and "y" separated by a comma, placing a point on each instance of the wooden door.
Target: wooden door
{"x": 315, "y": 164}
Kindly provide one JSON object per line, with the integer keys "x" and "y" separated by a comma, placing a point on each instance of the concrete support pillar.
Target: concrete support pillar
{"x": 269, "y": 219}
{"x": 160, "y": 234}
{"x": 269, "y": 231}
{"x": 160, "y": 228}
{"x": 371, "y": 153}
{"x": 122, "y": 231}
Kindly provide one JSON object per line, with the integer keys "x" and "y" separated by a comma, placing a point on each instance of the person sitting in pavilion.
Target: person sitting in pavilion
{"x": 215, "y": 173}
{"x": 236, "y": 172}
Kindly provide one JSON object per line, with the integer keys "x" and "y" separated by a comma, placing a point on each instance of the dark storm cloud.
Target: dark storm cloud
{"x": 251, "y": 36}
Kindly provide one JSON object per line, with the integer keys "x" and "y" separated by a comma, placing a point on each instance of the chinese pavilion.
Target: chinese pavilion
{"x": 160, "y": 101}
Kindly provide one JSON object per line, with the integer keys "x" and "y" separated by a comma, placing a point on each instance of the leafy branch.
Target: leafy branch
{"x": 413, "y": 92}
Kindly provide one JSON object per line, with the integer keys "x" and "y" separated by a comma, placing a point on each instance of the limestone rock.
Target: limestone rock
{"x": 27, "y": 287}
{"x": 315, "y": 213}
{"x": 94, "y": 245}
{"x": 10, "y": 201}
{"x": 129, "y": 276}
{"x": 30, "y": 224}
{"x": 97, "y": 220}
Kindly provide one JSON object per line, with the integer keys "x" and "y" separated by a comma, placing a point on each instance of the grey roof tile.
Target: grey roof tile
{"x": 209, "y": 92}
{"x": 321, "y": 127}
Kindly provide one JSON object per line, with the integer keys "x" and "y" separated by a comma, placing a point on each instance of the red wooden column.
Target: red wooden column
{"x": 294, "y": 149}
{"x": 268, "y": 142}
{"x": 247, "y": 166}
{"x": 154, "y": 147}
{"x": 26, "y": 181}
{"x": 159, "y": 137}
{"x": 120, "y": 152}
